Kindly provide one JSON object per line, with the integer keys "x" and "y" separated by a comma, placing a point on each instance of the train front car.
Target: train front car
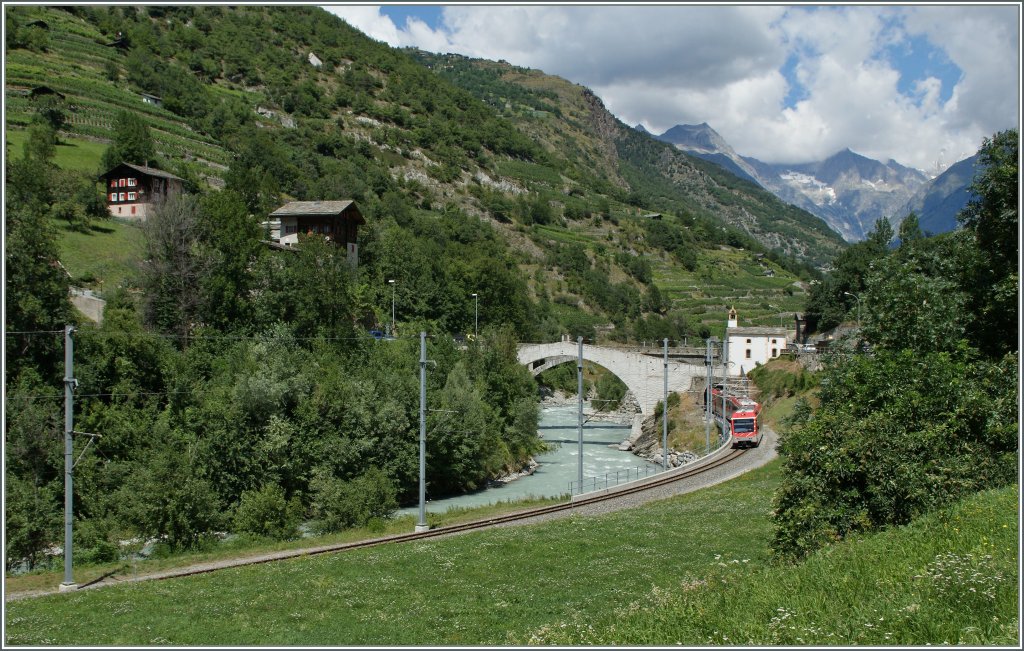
{"x": 739, "y": 416}
{"x": 745, "y": 423}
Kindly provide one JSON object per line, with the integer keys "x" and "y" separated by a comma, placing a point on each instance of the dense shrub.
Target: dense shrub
{"x": 167, "y": 498}
{"x": 898, "y": 434}
{"x": 267, "y": 513}
{"x": 340, "y": 504}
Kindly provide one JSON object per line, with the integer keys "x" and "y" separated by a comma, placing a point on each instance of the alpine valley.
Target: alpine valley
{"x": 848, "y": 191}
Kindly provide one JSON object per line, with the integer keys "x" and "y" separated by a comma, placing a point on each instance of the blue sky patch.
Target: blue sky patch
{"x": 917, "y": 59}
{"x": 429, "y": 14}
{"x": 796, "y": 91}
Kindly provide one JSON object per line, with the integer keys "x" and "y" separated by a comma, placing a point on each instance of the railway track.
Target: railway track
{"x": 654, "y": 482}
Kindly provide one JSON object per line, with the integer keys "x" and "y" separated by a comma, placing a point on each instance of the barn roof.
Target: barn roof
{"x": 320, "y": 209}
{"x": 142, "y": 169}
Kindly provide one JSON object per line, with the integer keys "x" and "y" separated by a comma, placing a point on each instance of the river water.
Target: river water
{"x": 559, "y": 425}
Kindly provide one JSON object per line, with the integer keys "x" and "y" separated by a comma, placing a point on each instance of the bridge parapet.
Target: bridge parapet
{"x": 641, "y": 371}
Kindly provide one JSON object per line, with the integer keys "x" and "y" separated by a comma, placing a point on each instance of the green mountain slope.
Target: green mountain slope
{"x": 530, "y": 163}
{"x": 570, "y": 120}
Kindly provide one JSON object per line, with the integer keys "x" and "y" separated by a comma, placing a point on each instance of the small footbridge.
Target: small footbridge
{"x": 642, "y": 370}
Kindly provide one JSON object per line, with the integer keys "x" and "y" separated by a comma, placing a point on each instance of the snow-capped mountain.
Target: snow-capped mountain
{"x": 848, "y": 191}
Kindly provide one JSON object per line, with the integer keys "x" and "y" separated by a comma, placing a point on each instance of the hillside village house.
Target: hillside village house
{"x": 337, "y": 221}
{"x": 751, "y": 346}
{"x": 133, "y": 190}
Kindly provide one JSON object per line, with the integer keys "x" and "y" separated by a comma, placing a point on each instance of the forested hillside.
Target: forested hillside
{"x": 255, "y": 366}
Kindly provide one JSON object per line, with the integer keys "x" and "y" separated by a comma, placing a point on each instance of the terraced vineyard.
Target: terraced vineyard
{"x": 733, "y": 278}
{"x": 76, "y": 64}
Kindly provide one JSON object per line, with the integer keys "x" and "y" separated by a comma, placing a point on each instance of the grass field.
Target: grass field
{"x": 74, "y": 154}
{"x": 951, "y": 578}
{"x": 480, "y": 588}
{"x": 690, "y": 570}
{"x": 241, "y": 546}
{"x": 104, "y": 257}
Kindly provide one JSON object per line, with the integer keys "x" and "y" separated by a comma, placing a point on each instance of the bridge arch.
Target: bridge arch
{"x": 643, "y": 374}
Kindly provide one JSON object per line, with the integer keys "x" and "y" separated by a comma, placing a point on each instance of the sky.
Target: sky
{"x": 921, "y": 85}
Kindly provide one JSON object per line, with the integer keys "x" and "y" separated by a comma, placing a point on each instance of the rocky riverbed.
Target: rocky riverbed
{"x": 646, "y": 440}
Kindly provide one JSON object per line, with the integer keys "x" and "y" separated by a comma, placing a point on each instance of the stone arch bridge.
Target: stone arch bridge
{"x": 642, "y": 370}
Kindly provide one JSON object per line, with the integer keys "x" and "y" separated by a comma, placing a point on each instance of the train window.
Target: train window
{"x": 742, "y": 425}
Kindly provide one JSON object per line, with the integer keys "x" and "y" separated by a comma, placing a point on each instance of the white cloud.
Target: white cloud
{"x": 371, "y": 22}
{"x": 667, "y": 65}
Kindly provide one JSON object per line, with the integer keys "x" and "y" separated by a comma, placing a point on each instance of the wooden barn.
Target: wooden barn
{"x": 337, "y": 221}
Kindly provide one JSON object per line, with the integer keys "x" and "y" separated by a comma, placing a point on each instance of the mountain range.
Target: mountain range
{"x": 850, "y": 192}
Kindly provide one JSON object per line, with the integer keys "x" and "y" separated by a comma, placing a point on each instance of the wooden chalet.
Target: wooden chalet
{"x": 336, "y": 221}
{"x": 133, "y": 190}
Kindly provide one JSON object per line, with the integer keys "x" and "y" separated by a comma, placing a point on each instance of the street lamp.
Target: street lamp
{"x": 392, "y": 283}
{"x": 476, "y": 316}
{"x": 858, "y": 306}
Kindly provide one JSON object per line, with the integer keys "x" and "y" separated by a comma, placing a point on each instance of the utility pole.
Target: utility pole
{"x": 725, "y": 386}
{"x": 69, "y": 410}
{"x": 707, "y": 399}
{"x": 422, "y": 524}
{"x": 664, "y": 416}
{"x": 579, "y": 403}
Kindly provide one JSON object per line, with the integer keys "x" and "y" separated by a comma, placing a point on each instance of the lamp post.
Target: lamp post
{"x": 476, "y": 315}
{"x": 392, "y": 283}
{"x": 855, "y": 296}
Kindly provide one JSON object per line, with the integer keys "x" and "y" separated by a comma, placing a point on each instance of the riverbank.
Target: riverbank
{"x": 623, "y": 414}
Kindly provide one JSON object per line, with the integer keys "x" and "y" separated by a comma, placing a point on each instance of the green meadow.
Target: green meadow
{"x": 692, "y": 570}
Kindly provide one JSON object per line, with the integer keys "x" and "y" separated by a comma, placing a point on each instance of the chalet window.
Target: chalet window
{"x": 113, "y": 196}
{"x": 132, "y": 183}
{"x": 121, "y": 197}
{"x": 120, "y": 183}
{"x": 113, "y": 183}
{"x": 131, "y": 196}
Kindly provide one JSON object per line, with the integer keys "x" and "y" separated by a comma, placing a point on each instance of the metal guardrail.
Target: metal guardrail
{"x": 596, "y": 483}
{"x": 619, "y": 477}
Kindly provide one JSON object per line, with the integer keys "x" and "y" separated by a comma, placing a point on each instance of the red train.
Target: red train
{"x": 741, "y": 416}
